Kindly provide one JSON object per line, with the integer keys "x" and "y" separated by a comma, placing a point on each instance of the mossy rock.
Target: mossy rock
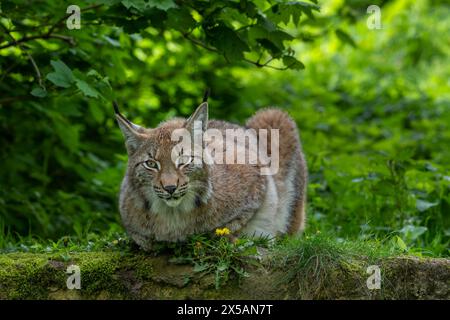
{"x": 114, "y": 275}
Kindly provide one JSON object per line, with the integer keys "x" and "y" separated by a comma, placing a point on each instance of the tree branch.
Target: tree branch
{"x": 41, "y": 36}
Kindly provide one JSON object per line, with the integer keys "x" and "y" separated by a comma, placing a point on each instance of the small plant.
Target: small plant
{"x": 219, "y": 254}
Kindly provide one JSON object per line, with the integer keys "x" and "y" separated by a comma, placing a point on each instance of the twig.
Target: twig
{"x": 268, "y": 61}
{"x": 200, "y": 44}
{"x": 36, "y": 69}
{"x": 265, "y": 65}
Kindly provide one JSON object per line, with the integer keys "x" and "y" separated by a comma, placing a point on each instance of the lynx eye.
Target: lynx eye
{"x": 183, "y": 160}
{"x": 150, "y": 165}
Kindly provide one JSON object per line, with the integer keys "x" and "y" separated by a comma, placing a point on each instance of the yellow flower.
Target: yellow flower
{"x": 198, "y": 244}
{"x": 222, "y": 232}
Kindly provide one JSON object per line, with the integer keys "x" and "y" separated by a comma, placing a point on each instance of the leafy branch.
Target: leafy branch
{"x": 30, "y": 57}
{"x": 212, "y": 49}
{"x": 49, "y": 34}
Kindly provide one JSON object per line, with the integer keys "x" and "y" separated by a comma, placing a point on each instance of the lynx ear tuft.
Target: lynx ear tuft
{"x": 201, "y": 114}
{"x": 129, "y": 130}
{"x": 116, "y": 107}
{"x": 206, "y": 95}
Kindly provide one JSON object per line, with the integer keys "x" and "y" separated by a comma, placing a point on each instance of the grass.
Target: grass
{"x": 312, "y": 261}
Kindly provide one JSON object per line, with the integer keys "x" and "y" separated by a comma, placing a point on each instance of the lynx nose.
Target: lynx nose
{"x": 170, "y": 189}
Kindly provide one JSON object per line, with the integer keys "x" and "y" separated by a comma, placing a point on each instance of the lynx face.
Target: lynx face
{"x": 163, "y": 180}
{"x": 158, "y": 175}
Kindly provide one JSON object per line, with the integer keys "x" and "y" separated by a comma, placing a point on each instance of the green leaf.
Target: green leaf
{"x": 86, "y": 89}
{"x": 401, "y": 244}
{"x": 282, "y": 12}
{"x": 68, "y": 133}
{"x": 269, "y": 45}
{"x": 250, "y": 251}
{"x": 249, "y": 8}
{"x": 162, "y": 4}
{"x": 228, "y": 42}
{"x": 94, "y": 73}
{"x": 423, "y": 205}
{"x": 62, "y": 76}
{"x": 266, "y": 23}
{"x": 112, "y": 41}
{"x": 345, "y": 37}
{"x": 137, "y": 4}
{"x": 180, "y": 19}
{"x": 97, "y": 112}
{"x": 38, "y": 92}
{"x": 222, "y": 266}
{"x": 447, "y": 232}
{"x": 256, "y": 32}
{"x": 411, "y": 232}
{"x": 278, "y": 37}
{"x": 141, "y": 5}
{"x": 293, "y": 63}
{"x": 201, "y": 267}
{"x": 232, "y": 15}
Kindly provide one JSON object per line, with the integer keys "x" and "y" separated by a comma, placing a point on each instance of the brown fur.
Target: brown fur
{"x": 218, "y": 195}
{"x": 291, "y": 155}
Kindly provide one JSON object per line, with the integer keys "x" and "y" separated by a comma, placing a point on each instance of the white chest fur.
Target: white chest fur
{"x": 264, "y": 222}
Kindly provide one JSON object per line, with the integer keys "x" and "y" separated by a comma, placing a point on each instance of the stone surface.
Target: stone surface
{"x": 113, "y": 275}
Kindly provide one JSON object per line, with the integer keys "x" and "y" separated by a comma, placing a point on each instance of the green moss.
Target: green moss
{"x": 27, "y": 276}
{"x": 36, "y": 276}
{"x": 97, "y": 272}
{"x": 140, "y": 264}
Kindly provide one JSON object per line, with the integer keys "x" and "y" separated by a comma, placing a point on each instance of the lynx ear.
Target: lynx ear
{"x": 130, "y": 131}
{"x": 201, "y": 114}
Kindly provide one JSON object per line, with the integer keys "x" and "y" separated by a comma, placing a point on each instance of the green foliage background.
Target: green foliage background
{"x": 373, "y": 106}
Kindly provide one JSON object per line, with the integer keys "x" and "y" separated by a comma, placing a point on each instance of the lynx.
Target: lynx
{"x": 167, "y": 199}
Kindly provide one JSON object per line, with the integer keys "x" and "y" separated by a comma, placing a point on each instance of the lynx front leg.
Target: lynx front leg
{"x": 144, "y": 242}
{"x": 237, "y": 224}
